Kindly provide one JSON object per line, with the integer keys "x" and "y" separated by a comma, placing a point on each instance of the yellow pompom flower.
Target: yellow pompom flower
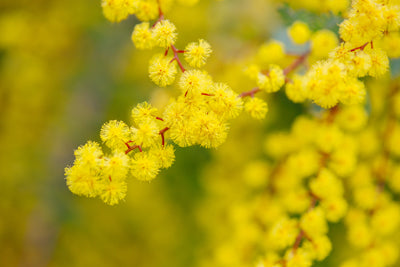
{"x": 328, "y": 137}
{"x": 295, "y": 90}
{"x": 326, "y": 185}
{"x": 145, "y": 134}
{"x": 182, "y": 133}
{"x": 145, "y": 10}
{"x": 299, "y": 32}
{"x": 211, "y": 131}
{"x": 271, "y": 52}
{"x": 273, "y": 80}
{"x": 352, "y": 118}
{"x": 143, "y": 112}
{"x": 385, "y": 221}
{"x": 313, "y": 223}
{"x": 322, "y": 43}
{"x": 112, "y": 191}
{"x": 352, "y": 92}
{"x": 391, "y": 16}
{"x": 379, "y": 63}
{"x": 224, "y": 101}
{"x": 114, "y": 134}
{"x": 82, "y": 180}
{"x": 165, "y": 155}
{"x": 164, "y": 33}
{"x": 319, "y": 247}
{"x": 117, "y": 10}
{"x": 116, "y": 166}
{"x": 142, "y": 37}
{"x": 161, "y": 70}
{"x": 145, "y": 166}
{"x": 252, "y": 71}
{"x": 88, "y": 154}
{"x": 296, "y": 201}
{"x": 300, "y": 258}
{"x": 334, "y": 208}
{"x": 304, "y": 163}
{"x": 194, "y": 82}
{"x": 360, "y": 63}
{"x": 360, "y": 235}
{"x": 283, "y": 233}
{"x": 174, "y": 113}
{"x": 196, "y": 54}
{"x": 366, "y": 197}
{"x": 256, "y": 107}
{"x": 343, "y": 161}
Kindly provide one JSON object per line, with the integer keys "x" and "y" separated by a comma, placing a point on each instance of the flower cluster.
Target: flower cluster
{"x": 198, "y": 116}
{"x": 340, "y": 162}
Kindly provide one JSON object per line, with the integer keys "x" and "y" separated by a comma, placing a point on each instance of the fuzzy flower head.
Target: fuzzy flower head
{"x": 224, "y": 101}
{"x": 142, "y": 37}
{"x": 194, "y": 82}
{"x": 116, "y": 166}
{"x": 145, "y": 166}
{"x": 117, "y": 10}
{"x": 112, "y": 192}
{"x": 165, "y": 155}
{"x": 161, "y": 70}
{"x": 143, "y": 112}
{"x": 145, "y": 10}
{"x": 165, "y": 33}
{"x": 145, "y": 134}
{"x": 88, "y": 154}
{"x": 273, "y": 80}
{"x": 299, "y": 32}
{"x": 114, "y": 134}
{"x": 82, "y": 181}
{"x": 196, "y": 54}
{"x": 256, "y": 107}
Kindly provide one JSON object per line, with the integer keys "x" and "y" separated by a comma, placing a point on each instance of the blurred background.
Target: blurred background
{"x": 64, "y": 71}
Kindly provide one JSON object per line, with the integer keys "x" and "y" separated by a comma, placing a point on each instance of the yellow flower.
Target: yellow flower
{"x": 142, "y": 37}
{"x": 299, "y": 32}
{"x": 196, "y": 54}
{"x": 161, "y": 70}
{"x": 256, "y": 107}
{"x": 164, "y": 33}
{"x": 114, "y": 134}
{"x": 145, "y": 166}
{"x": 117, "y": 10}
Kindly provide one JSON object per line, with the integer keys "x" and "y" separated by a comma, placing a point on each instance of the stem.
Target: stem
{"x": 176, "y": 57}
{"x": 250, "y": 93}
{"x": 162, "y": 135}
{"x": 207, "y": 94}
{"x": 160, "y": 14}
{"x": 332, "y": 114}
{"x": 300, "y": 60}
{"x": 362, "y": 47}
{"x": 160, "y": 119}
{"x": 130, "y": 148}
{"x": 298, "y": 241}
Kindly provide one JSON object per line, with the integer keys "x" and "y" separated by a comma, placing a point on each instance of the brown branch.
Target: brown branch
{"x": 176, "y": 57}
{"x": 160, "y": 14}
{"x": 300, "y": 60}
{"x": 362, "y": 47}
{"x": 162, "y": 135}
{"x": 250, "y": 93}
